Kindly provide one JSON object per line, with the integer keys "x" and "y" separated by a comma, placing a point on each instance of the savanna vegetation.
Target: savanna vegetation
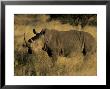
{"x": 39, "y": 63}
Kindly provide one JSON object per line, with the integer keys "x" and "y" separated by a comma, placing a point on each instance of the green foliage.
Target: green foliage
{"x": 75, "y": 19}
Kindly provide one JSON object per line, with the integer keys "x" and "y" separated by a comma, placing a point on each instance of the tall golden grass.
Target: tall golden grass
{"x": 39, "y": 63}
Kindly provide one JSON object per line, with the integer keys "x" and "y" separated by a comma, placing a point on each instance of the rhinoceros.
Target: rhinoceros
{"x": 63, "y": 43}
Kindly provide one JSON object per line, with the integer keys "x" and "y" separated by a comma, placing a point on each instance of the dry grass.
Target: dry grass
{"x": 39, "y": 63}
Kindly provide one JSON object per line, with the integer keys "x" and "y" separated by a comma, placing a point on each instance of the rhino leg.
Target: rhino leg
{"x": 89, "y": 51}
{"x": 54, "y": 57}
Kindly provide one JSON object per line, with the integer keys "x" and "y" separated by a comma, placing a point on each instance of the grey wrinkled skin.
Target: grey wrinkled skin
{"x": 63, "y": 43}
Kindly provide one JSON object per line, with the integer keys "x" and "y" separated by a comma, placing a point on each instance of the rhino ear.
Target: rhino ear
{"x": 34, "y": 31}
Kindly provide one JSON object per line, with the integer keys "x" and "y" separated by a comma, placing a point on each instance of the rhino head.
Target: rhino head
{"x": 32, "y": 43}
